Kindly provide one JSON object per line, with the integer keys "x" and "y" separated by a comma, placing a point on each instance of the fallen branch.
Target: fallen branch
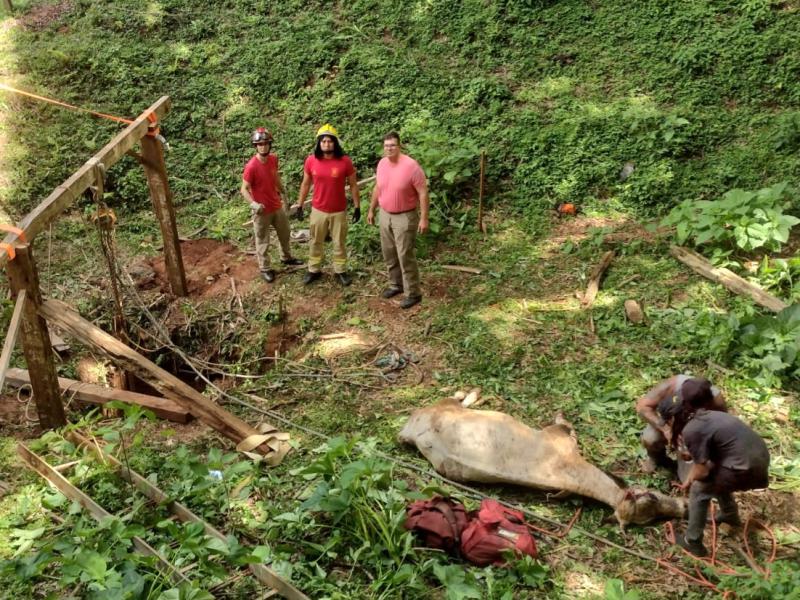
{"x": 594, "y": 281}
{"x": 727, "y": 278}
{"x": 472, "y": 270}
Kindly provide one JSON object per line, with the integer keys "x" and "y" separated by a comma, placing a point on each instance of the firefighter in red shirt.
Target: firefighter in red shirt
{"x": 328, "y": 169}
{"x": 263, "y": 189}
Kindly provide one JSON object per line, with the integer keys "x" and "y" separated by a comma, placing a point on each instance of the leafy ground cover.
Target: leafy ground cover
{"x": 701, "y": 100}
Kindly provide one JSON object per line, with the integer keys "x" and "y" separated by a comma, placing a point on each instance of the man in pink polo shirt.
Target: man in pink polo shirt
{"x": 262, "y": 188}
{"x": 402, "y": 192}
{"x": 328, "y": 169}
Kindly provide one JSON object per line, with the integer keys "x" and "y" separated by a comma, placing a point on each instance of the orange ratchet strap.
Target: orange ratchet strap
{"x": 8, "y": 88}
{"x": 9, "y": 248}
{"x": 153, "y": 128}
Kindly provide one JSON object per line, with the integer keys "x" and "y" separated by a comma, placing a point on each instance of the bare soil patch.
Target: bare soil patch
{"x": 41, "y": 16}
{"x": 209, "y": 265}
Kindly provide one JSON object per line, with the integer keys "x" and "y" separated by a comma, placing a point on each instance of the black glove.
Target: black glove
{"x": 357, "y": 214}
{"x": 298, "y": 212}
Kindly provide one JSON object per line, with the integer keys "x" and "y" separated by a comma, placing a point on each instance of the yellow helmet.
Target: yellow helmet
{"x": 327, "y": 129}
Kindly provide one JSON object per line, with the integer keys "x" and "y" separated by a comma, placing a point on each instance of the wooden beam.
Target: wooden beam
{"x": 11, "y": 336}
{"x": 594, "y": 280}
{"x": 262, "y": 572}
{"x": 231, "y": 426}
{"x": 96, "y": 394}
{"x": 729, "y": 279}
{"x": 63, "y": 196}
{"x": 36, "y": 463}
{"x": 156, "y": 172}
{"x": 22, "y": 275}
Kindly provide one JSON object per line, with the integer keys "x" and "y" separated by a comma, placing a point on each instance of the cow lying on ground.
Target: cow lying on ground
{"x": 491, "y": 447}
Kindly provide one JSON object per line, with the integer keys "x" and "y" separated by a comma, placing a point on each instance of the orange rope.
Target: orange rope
{"x": 12, "y": 229}
{"x": 9, "y": 250}
{"x": 8, "y": 88}
{"x": 765, "y": 571}
{"x": 563, "y": 532}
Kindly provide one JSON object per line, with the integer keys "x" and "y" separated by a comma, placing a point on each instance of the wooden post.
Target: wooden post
{"x": 156, "y": 171}
{"x": 22, "y": 275}
{"x": 7, "y": 6}
{"x": 480, "y": 193}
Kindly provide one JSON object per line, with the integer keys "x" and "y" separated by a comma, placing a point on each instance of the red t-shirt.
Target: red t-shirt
{"x": 328, "y": 176}
{"x": 263, "y": 180}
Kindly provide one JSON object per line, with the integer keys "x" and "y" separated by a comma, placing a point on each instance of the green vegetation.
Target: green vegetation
{"x": 744, "y": 220}
{"x": 703, "y": 101}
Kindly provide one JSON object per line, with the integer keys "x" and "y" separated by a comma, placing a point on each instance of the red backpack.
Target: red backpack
{"x": 494, "y": 530}
{"x": 438, "y": 521}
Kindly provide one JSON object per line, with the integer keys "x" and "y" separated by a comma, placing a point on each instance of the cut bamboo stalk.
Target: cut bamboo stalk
{"x": 96, "y": 394}
{"x": 38, "y": 464}
{"x": 262, "y": 572}
{"x": 727, "y": 278}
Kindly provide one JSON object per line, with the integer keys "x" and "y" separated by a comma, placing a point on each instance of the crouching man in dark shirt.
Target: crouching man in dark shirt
{"x": 727, "y": 456}
{"x": 657, "y": 437}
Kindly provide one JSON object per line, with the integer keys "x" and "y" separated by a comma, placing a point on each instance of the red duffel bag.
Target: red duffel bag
{"x": 494, "y": 530}
{"x": 439, "y": 522}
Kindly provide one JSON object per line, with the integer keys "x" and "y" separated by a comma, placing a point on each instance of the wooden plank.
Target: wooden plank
{"x": 596, "y": 277}
{"x": 58, "y": 343}
{"x": 22, "y": 275}
{"x": 729, "y": 279}
{"x": 171, "y": 387}
{"x": 156, "y": 172}
{"x": 262, "y": 572}
{"x": 96, "y": 394}
{"x": 62, "y": 197}
{"x": 11, "y": 336}
{"x": 63, "y": 485}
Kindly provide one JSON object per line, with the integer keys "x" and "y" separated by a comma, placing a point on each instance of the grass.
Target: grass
{"x": 701, "y": 98}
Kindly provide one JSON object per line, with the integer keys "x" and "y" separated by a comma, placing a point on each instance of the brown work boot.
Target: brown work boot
{"x": 391, "y": 292}
{"x": 410, "y": 301}
{"x": 696, "y": 548}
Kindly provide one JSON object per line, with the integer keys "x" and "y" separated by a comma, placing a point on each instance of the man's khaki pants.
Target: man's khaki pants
{"x": 398, "y": 237}
{"x": 320, "y": 224}
{"x": 261, "y": 224}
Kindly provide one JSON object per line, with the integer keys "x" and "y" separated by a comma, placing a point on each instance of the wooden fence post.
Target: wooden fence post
{"x": 156, "y": 171}
{"x": 22, "y": 275}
